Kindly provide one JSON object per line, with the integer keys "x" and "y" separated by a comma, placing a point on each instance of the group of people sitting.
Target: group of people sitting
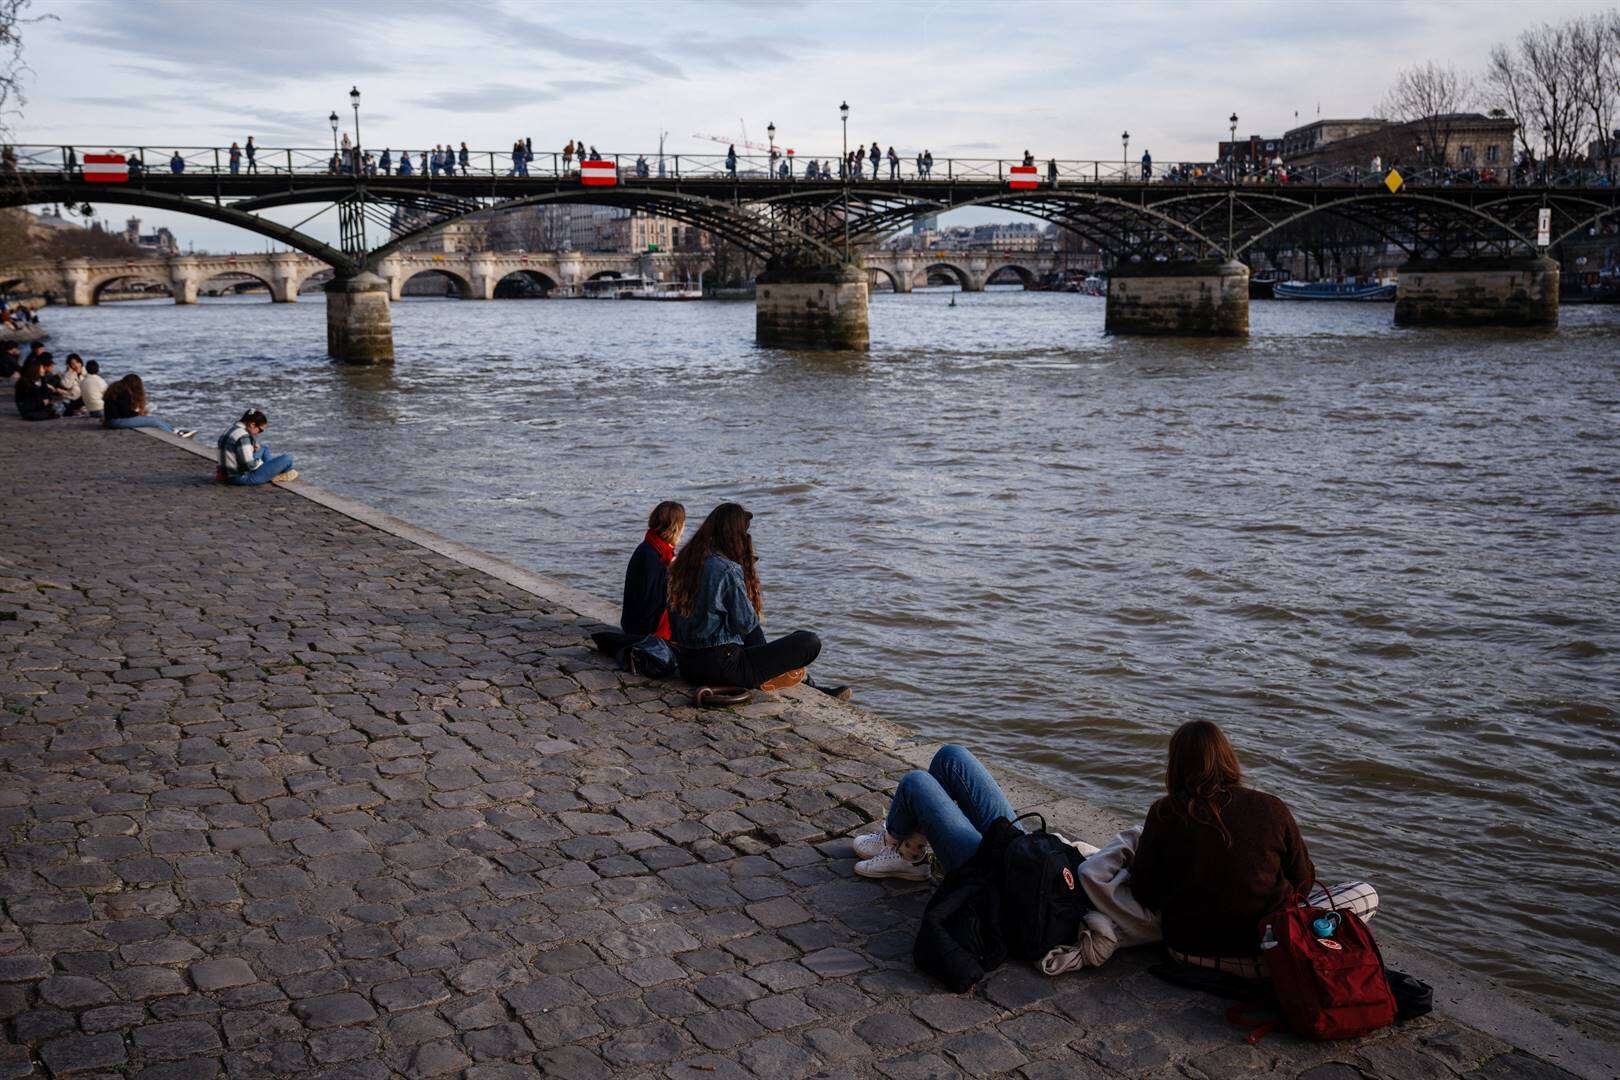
{"x": 1213, "y": 858}
{"x": 16, "y": 316}
{"x": 706, "y": 602}
{"x": 43, "y": 393}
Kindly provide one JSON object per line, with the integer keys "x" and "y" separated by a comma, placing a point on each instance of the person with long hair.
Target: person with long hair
{"x": 35, "y": 398}
{"x": 125, "y": 406}
{"x": 714, "y": 612}
{"x": 646, "y": 579}
{"x": 1216, "y": 857}
{"x": 242, "y": 461}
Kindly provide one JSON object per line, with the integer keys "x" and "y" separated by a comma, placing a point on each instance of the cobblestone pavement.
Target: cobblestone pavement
{"x": 284, "y": 795}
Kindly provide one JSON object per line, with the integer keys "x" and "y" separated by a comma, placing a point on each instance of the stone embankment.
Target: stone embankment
{"x": 287, "y": 794}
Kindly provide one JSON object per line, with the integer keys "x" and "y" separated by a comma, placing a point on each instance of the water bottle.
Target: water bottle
{"x": 1325, "y": 925}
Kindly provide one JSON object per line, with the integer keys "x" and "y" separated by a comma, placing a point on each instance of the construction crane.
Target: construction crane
{"x": 742, "y": 143}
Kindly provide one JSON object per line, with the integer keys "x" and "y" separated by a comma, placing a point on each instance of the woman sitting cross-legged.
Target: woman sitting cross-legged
{"x": 646, "y": 578}
{"x": 714, "y": 605}
{"x": 949, "y": 808}
{"x": 124, "y": 406}
{"x": 242, "y": 461}
{"x": 1216, "y": 857}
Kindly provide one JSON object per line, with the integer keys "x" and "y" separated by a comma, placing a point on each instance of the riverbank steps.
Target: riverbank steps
{"x": 285, "y": 794}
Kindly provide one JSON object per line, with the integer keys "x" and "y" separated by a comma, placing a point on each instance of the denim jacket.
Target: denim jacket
{"x": 721, "y": 614}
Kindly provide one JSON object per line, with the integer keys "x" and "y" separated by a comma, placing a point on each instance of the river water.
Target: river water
{"x": 1384, "y": 560}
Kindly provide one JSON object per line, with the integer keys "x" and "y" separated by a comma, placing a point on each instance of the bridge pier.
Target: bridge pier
{"x": 1478, "y": 292}
{"x": 359, "y": 329}
{"x": 1189, "y": 299}
{"x": 284, "y": 267}
{"x": 811, "y": 307}
{"x": 76, "y": 281}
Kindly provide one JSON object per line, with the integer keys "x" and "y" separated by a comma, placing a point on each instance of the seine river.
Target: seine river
{"x": 1386, "y": 561}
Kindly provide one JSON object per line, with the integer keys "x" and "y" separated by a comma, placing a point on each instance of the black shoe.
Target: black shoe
{"x": 837, "y": 693}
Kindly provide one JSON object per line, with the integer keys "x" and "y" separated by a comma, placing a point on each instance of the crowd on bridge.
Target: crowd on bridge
{"x": 80, "y": 391}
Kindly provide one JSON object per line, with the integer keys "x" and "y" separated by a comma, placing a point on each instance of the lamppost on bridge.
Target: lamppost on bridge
{"x": 843, "y": 170}
{"x": 770, "y": 134}
{"x": 333, "y": 120}
{"x": 1231, "y": 147}
{"x": 354, "y": 99}
{"x": 1125, "y": 153}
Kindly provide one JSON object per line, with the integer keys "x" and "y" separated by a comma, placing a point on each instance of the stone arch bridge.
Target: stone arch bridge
{"x": 474, "y": 275}
{"x": 1175, "y": 238}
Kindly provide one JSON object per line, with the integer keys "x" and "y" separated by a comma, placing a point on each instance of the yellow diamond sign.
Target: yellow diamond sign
{"x": 1393, "y": 181}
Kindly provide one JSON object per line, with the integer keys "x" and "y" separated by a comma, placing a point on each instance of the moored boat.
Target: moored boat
{"x": 1331, "y": 290}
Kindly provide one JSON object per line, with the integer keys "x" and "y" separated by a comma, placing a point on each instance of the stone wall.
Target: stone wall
{"x": 824, "y": 309}
{"x": 1199, "y": 299}
{"x": 359, "y": 329}
{"x": 1478, "y": 292}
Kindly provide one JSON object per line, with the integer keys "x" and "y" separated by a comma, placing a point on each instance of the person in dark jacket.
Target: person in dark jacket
{"x": 646, "y": 579}
{"x": 714, "y": 605}
{"x": 33, "y": 394}
{"x": 1216, "y": 857}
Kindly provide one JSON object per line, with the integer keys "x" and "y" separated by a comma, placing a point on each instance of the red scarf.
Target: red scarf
{"x": 666, "y": 552}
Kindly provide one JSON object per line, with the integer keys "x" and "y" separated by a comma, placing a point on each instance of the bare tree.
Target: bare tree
{"x": 1595, "y": 60}
{"x": 1537, "y": 79}
{"x": 1431, "y": 98}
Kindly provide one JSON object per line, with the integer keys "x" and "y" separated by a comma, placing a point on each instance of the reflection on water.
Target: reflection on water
{"x": 1383, "y": 559}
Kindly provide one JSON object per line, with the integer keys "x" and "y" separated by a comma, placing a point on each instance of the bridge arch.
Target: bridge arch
{"x": 460, "y": 285}
{"x": 957, "y": 275}
{"x": 130, "y": 277}
{"x": 523, "y": 284}
{"x": 1026, "y": 276}
{"x": 208, "y": 276}
{"x": 875, "y": 271}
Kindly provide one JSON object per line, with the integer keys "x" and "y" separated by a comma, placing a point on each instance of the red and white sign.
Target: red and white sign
{"x": 1023, "y": 176}
{"x": 598, "y": 173}
{"x": 106, "y": 169}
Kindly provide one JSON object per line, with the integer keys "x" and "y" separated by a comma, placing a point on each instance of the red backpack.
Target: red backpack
{"x": 1331, "y": 987}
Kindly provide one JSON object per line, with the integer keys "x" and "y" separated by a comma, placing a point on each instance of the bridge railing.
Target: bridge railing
{"x": 151, "y": 164}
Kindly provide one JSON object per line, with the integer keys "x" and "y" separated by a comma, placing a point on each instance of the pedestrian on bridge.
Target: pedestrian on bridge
{"x": 1029, "y": 159}
{"x": 466, "y": 159}
{"x": 731, "y": 160}
{"x": 177, "y": 164}
{"x": 877, "y": 156}
{"x": 894, "y": 164}
{"x": 386, "y": 162}
{"x": 422, "y": 164}
{"x": 1147, "y": 166}
{"x": 928, "y": 163}
{"x": 236, "y": 159}
{"x": 404, "y": 162}
{"x": 568, "y": 155}
{"x": 72, "y": 160}
{"x": 252, "y": 156}
{"x": 1051, "y": 171}
{"x": 133, "y": 164}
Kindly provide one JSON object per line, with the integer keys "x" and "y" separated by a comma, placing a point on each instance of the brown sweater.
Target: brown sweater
{"x": 1211, "y": 897}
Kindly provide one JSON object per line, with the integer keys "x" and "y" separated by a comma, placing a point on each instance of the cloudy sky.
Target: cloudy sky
{"x": 959, "y": 77}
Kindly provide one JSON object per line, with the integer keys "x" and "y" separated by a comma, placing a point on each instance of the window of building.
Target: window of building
{"x": 1465, "y": 154}
{"x": 1491, "y": 153}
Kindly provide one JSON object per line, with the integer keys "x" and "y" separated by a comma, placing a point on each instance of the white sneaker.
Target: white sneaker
{"x": 868, "y": 845}
{"x": 890, "y": 863}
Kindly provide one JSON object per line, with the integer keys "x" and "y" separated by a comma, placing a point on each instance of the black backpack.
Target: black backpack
{"x": 960, "y": 939}
{"x": 1043, "y": 902}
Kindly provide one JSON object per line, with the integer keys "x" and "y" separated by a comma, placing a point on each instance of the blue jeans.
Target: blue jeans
{"x": 951, "y": 804}
{"x": 267, "y": 471}
{"x": 138, "y": 421}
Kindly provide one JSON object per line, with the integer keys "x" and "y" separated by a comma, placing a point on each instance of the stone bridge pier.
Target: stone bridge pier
{"x": 359, "y": 327}
{"x": 1478, "y": 292}
{"x": 800, "y": 306}
{"x": 1188, "y": 299}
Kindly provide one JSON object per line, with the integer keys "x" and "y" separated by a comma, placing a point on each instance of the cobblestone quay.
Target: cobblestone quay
{"x": 287, "y": 795}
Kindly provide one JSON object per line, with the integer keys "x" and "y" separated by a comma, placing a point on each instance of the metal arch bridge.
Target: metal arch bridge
{"x": 1171, "y": 212}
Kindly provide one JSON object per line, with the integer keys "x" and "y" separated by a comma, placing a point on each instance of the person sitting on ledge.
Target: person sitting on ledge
{"x": 33, "y": 394}
{"x": 646, "y": 579}
{"x": 714, "y": 605}
{"x": 242, "y": 461}
{"x": 949, "y": 808}
{"x": 124, "y": 406}
{"x": 1216, "y": 857}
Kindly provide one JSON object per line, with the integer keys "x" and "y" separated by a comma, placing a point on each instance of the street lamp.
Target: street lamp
{"x": 333, "y": 119}
{"x": 1231, "y": 147}
{"x": 770, "y": 133}
{"x": 1125, "y": 151}
{"x": 354, "y": 99}
{"x": 843, "y": 169}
